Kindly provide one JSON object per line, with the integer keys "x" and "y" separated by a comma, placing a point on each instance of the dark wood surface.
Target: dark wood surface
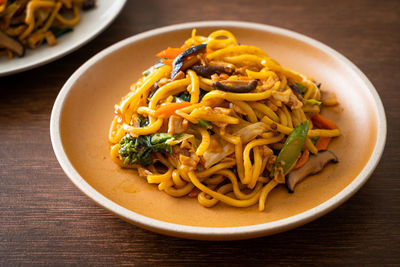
{"x": 46, "y": 220}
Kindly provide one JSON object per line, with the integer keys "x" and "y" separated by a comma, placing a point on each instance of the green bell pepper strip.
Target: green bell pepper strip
{"x": 290, "y": 152}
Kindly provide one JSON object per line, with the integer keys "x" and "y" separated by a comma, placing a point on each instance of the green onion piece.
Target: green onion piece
{"x": 205, "y": 124}
{"x": 302, "y": 88}
{"x": 312, "y": 102}
{"x": 291, "y": 149}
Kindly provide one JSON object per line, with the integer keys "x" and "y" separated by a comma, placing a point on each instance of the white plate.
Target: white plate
{"x": 92, "y": 23}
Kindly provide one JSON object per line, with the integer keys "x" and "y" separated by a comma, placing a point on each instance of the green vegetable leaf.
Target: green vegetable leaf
{"x": 205, "y": 124}
{"x": 156, "y": 66}
{"x": 162, "y": 148}
{"x": 179, "y": 100}
{"x": 142, "y": 121}
{"x": 158, "y": 138}
{"x": 139, "y": 150}
{"x": 202, "y": 94}
{"x": 57, "y": 32}
{"x": 302, "y": 88}
{"x": 145, "y": 158}
{"x": 185, "y": 96}
{"x": 159, "y": 64}
{"x": 314, "y": 139}
{"x": 312, "y": 102}
{"x": 291, "y": 149}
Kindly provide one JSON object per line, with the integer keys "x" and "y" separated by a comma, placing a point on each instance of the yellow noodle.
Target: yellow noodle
{"x": 287, "y": 130}
{"x": 228, "y": 137}
{"x": 136, "y": 131}
{"x": 70, "y": 22}
{"x": 215, "y": 168}
{"x": 175, "y": 87}
{"x": 246, "y": 154}
{"x": 164, "y": 185}
{"x": 205, "y": 141}
{"x": 266, "y": 110}
{"x": 195, "y": 90}
{"x": 176, "y": 178}
{"x": 215, "y": 180}
{"x": 236, "y": 50}
{"x": 221, "y": 197}
{"x": 179, "y": 192}
{"x": 215, "y": 42}
{"x": 116, "y": 133}
{"x": 50, "y": 20}
{"x": 186, "y": 116}
{"x": 262, "y": 75}
{"x": 159, "y": 178}
{"x": 246, "y": 108}
{"x": 240, "y": 96}
{"x": 311, "y": 146}
{"x": 282, "y": 117}
{"x": 288, "y": 116}
{"x": 209, "y": 202}
{"x": 264, "y": 194}
{"x": 30, "y": 13}
{"x": 245, "y": 60}
{"x": 256, "y": 169}
{"x": 149, "y": 81}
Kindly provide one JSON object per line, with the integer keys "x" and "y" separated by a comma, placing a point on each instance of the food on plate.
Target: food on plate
{"x": 29, "y": 23}
{"x": 222, "y": 121}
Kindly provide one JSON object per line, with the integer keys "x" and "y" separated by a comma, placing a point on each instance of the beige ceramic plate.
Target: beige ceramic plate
{"x": 84, "y": 109}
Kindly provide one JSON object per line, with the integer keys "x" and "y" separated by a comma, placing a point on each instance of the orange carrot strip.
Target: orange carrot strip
{"x": 169, "y": 109}
{"x": 208, "y": 51}
{"x": 323, "y": 123}
{"x": 224, "y": 76}
{"x": 303, "y": 159}
{"x": 244, "y": 78}
{"x": 323, "y": 143}
{"x": 170, "y": 53}
{"x": 167, "y": 61}
{"x": 184, "y": 47}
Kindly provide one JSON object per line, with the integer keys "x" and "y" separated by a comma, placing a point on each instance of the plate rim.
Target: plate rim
{"x": 69, "y": 49}
{"x": 218, "y": 233}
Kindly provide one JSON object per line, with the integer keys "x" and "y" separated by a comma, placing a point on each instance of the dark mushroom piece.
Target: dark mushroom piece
{"x": 207, "y": 71}
{"x": 314, "y": 165}
{"x": 178, "y": 61}
{"x": 296, "y": 91}
{"x": 241, "y": 88}
{"x": 11, "y": 44}
{"x": 88, "y": 4}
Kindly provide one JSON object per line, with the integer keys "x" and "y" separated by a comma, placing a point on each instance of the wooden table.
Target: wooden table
{"x": 45, "y": 219}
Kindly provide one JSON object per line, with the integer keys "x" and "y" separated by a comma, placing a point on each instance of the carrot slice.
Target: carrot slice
{"x": 303, "y": 159}
{"x": 322, "y": 122}
{"x": 167, "y": 61}
{"x": 224, "y": 76}
{"x": 169, "y": 109}
{"x": 323, "y": 143}
{"x": 208, "y": 51}
{"x": 184, "y": 47}
{"x": 170, "y": 53}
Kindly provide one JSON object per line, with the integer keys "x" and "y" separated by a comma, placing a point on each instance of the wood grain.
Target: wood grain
{"x": 45, "y": 220}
